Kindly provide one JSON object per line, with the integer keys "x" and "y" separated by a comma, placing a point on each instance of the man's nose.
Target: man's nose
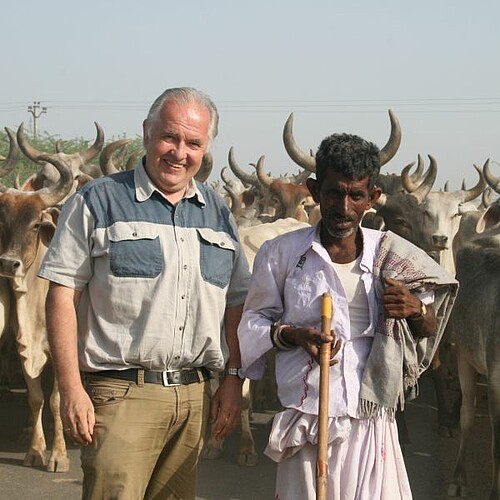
{"x": 342, "y": 204}
{"x": 179, "y": 150}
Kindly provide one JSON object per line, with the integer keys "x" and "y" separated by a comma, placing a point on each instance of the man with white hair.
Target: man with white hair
{"x": 147, "y": 284}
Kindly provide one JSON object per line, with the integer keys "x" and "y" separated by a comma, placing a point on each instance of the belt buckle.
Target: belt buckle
{"x": 171, "y": 378}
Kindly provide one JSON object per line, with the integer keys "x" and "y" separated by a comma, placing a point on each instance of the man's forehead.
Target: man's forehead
{"x": 334, "y": 177}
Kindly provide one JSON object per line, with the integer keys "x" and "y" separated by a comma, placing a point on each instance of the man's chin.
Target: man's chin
{"x": 340, "y": 234}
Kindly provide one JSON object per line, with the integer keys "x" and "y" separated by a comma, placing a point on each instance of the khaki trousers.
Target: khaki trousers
{"x": 147, "y": 440}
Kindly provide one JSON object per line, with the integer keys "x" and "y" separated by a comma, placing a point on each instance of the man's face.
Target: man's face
{"x": 343, "y": 202}
{"x": 175, "y": 144}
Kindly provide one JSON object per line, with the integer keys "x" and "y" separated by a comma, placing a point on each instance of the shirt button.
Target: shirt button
{"x": 181, "y": 328}
{"x": 185, "y": 266}
{"x": 183, "y": 297}
{"x": 134, "y": 234}
{"x": 182, "y": 239}
{"x": 221, "y": 243}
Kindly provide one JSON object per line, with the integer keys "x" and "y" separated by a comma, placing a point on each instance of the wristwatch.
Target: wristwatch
{"x": 422, "y": 313}
{"x": 236, "y": 372}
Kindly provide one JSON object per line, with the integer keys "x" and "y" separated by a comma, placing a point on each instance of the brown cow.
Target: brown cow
{"x": 27, "y": 222}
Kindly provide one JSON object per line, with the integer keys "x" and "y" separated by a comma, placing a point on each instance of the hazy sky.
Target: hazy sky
{"x": 339, "y": 66}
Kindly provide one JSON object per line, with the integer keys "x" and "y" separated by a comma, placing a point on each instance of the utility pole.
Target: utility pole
{"x": 36, "y": 111}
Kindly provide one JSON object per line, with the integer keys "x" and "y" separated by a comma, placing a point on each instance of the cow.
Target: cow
{"x": 290, "y": 196}
{"x": 475, "y": 321}
{"x": 49, "y": 175}
{"x": 441, "y": 212}
{"x": 27, "y": 222}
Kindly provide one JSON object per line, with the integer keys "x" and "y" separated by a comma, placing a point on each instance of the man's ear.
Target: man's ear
{"x": 313, "y": 186}
{"x": 145, "y": 135}
{"x": 374, "y": 196}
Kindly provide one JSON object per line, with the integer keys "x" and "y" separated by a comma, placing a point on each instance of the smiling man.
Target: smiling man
{"x": 384, "y": 332}
{"x": 147, "y": 284}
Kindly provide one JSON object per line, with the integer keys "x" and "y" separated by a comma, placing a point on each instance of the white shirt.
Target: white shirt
{"x": 290, "y": 274}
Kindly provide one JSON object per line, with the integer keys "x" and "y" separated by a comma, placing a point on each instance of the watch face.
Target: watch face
{"x": 240, "y": 373}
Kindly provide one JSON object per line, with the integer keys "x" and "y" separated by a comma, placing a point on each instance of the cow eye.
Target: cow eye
{"x": 401, "y": 222}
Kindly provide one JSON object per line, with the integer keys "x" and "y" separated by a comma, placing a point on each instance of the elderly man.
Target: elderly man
{"x": 148, "y": 281}
{"x": 384, "y": 330}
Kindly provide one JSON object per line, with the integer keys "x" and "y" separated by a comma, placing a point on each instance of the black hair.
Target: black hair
{"x": 350, "y": 155}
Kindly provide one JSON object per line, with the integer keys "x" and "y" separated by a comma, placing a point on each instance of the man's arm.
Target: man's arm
{"x": 77, "y": 411}
{"x": 225, "y": 410}
{"x": 400, "y": 303}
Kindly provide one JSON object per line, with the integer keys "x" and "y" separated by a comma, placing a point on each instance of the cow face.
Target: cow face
{"x": 24, "y": 223}
{"x": 403, "y": 215}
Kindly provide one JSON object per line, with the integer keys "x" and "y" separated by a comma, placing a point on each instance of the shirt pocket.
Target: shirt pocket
{"x": 217, "y": 251}
{"x": 134, "y": 251}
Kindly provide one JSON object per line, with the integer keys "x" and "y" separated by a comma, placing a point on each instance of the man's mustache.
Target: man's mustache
{"x": 339, "y": 218}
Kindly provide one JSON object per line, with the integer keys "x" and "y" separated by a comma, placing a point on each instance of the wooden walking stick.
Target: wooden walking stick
{"x": 324, "y": 389}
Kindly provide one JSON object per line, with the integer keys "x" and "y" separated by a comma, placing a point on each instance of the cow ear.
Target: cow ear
{"x": 313, "y": 186}
{"x": 489, "y": 219}
{"x": 48, "y": 224}
{"x": 375, "y": 194}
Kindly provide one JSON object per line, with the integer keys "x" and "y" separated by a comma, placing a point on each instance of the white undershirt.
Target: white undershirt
{"x": 350, "y": 277}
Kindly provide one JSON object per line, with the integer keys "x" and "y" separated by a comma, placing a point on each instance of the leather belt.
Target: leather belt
{"x": 167, "y": 378}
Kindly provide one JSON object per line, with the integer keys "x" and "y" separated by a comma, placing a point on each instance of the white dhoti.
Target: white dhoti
{"x": 365, "y": 461}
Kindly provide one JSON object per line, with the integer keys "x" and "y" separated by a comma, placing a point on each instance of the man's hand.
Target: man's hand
{"x": 311, "y": 339}
{"x": 225, "y": 407}
{"x": 400, "y": 303}
{"x": 77, "y": 414}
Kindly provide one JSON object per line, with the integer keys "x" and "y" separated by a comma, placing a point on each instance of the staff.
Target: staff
{"x": 324, "y": 387}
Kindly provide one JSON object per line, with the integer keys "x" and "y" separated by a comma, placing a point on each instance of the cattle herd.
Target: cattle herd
{"x": 460, "y": 229}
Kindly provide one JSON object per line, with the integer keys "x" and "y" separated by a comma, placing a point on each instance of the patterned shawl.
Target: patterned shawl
{"x": 397, "y": 359}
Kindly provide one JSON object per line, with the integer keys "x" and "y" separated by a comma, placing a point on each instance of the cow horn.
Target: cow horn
{"x": 472, "y": 193}
{"x": 206, "y": 167}
{"x": 247, "y": 179}
{"x": 87, "y": 155}
{"x": 421, "y": 191}
{"x": 31, "y": 152}
{"x": 13, "y": 156}
{"x": 493, "y": 182}
{"x": 133, "y": 159}
{"x": 417, "y": 175}
{"x": 382, "y": 200}
{"x": 301, "y": 177}
{"x": 265, "y": 179}
{"x": 486, "y": 199}
{"x": 392, "y": 145}
{"x": 50, "y": 195}
{"x": 224, "y": 176}
{"x": 236, "y": 205}
{"x": 307, "y": 162}
{"x": 106, "y": 158}
{"x": 96, "y": 148}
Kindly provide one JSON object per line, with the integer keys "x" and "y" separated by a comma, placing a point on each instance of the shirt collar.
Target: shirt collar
{"x": 144, "y": 186}
{"x": 371, "y": 240}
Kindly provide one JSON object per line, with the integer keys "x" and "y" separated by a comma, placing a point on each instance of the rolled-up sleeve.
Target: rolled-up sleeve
{"x": 67, "y": 260}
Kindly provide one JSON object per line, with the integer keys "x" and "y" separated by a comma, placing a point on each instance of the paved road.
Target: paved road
{"x": 429, "y": 459}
